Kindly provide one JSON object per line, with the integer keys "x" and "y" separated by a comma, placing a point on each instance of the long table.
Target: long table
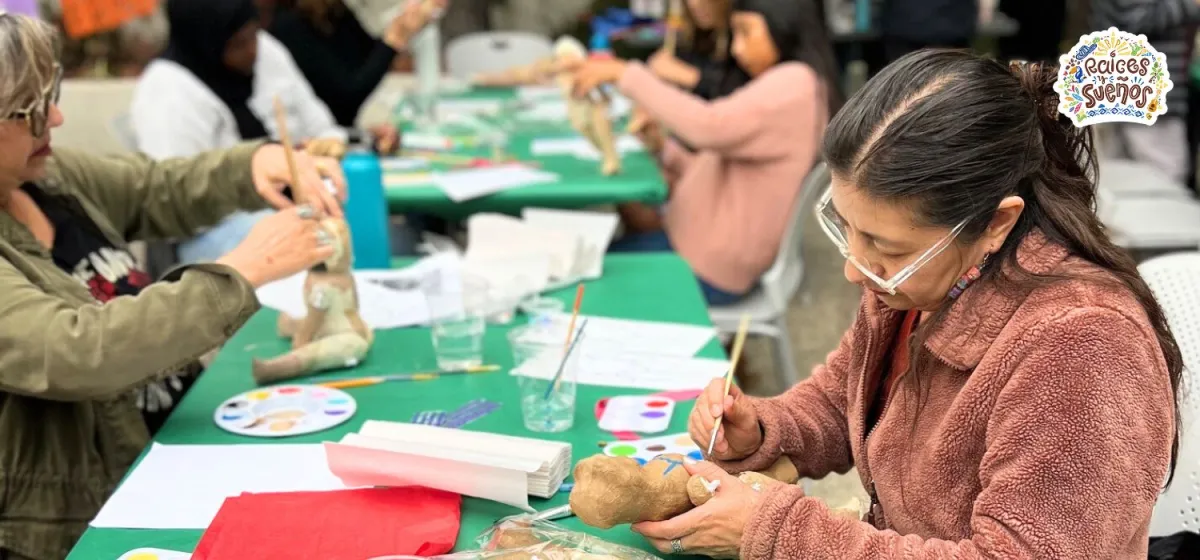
{"x": 650, "y": 286}
{"x": 581, "y": 183}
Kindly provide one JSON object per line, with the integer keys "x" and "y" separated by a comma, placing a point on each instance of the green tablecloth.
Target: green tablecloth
{"x": 650, "y": 286}
{"x": 581, "y": 183}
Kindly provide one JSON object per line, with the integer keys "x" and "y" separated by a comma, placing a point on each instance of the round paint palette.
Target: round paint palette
{"x": 286, "y": 410}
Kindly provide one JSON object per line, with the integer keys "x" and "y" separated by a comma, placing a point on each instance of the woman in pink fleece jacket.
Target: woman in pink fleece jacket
{"x": 735, "y": 164}
{"x": 1009, "y": 388}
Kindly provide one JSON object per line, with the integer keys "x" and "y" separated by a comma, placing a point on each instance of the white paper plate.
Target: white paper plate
{"x": 285, "y": 410}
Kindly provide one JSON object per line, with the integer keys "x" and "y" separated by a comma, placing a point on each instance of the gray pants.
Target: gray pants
{"x": 1162, "y": 145}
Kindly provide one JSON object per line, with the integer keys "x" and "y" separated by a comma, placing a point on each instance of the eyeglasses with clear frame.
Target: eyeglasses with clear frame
{"x": 835, "y": 228}
{"x": 37, "y": 114}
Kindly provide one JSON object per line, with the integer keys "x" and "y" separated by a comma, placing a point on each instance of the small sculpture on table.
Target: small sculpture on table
{"x": 589, "y": 116}
{"x": 332, "y": 334}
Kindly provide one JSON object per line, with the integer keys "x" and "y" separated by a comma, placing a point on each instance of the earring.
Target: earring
{"x": 970, "y": 276}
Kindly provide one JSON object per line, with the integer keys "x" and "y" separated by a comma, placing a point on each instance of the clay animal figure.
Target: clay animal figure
{"x": 588, "y": 116}
{"x": 612, "y": 491}
{"x": 537, "y": 72}
{"x": 332, "y": 335}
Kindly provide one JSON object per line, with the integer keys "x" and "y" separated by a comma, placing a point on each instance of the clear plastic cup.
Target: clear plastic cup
{"x": 547, "y": 382}
{"x": 457, "y": 325}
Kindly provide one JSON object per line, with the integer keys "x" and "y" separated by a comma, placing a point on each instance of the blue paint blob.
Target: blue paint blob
{"x": 339, "y": 400}
{"x": 654, "y": 414}
{"x": 696, "y": 456}
{"x": 230, "y": 416}
{"x": 335, "y": 412}
{"x": 640, "y": 460}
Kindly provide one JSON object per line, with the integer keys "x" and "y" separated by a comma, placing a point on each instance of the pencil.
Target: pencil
{"x": 738, "y": 341}
{"x": 281, "y": 123}
{"x": 421, "y": 376}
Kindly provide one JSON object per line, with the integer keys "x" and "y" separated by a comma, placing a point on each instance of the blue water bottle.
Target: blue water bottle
{"x": 367, "y": 210}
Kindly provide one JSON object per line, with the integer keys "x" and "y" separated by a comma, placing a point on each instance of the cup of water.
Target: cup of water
{"x": 457, "y": 327}
{"x": 547, "y": 382}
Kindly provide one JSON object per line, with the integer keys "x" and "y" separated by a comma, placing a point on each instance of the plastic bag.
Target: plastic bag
{"x": 523, "y": 538}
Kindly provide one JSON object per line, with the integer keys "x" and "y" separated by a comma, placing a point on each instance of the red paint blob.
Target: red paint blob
{"x": 288, "y": 390}
{"x": 657, "y": 404}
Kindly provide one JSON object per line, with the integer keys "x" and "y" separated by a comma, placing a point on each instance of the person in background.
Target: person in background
{"x": 1010, "y": 387}
{"x": 215, "y": 86}
{"x": 1165, "y": 24}
{"x": 910, "y": 25}
{"x": 701, "y": 64}
{"x": 337, "y": 56}
{"x": 86, "y": 336}
{"x": 731, "y": 198}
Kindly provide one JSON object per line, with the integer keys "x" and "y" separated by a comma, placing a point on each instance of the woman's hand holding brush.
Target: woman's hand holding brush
{"x": 739, "y": 435}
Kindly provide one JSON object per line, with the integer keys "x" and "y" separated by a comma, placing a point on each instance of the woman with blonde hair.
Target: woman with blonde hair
{"x": 84, "y": 333}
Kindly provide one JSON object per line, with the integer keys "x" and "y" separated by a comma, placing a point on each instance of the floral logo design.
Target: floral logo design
{"x": 1112, "y": 76}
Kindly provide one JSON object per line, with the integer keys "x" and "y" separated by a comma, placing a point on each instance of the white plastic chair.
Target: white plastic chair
{"x": 768, "y": 305}
{"x": 1126, "y": 178}
{"x": 1175, "y": 281}
{"x": 494, "y": 51}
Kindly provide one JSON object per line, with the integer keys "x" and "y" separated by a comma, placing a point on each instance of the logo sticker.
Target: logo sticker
{"x": 1113, "y": 76}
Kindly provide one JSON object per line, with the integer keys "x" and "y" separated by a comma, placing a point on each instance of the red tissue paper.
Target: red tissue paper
{"x": 335, "y": 525}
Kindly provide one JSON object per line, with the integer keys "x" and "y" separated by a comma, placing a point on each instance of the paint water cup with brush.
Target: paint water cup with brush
{"x": 547, "y": 375}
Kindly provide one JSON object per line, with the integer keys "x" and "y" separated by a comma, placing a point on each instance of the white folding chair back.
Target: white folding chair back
{"x": 1175, "y": 281}
{"x": 767, "y": 306}
{"x": 1126, "y": 178}
{"x": 494, "y": 51}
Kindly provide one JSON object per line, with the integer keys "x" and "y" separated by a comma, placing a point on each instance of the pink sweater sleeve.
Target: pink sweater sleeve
{"x": 808, "y": 422}
{"x": 1069, "y": 470}
{"x": 745, "y": 124}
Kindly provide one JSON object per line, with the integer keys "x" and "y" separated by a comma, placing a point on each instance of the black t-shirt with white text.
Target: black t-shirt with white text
{"x": 81, "y": 250}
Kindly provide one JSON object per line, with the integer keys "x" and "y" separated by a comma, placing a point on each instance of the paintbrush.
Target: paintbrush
{"x": 738, "y": 341}
{"x": 562, "y": 366}
{"x": 571, "y": 328}
{"x": 286, "y": 140}
{"x": 421, "y": 376}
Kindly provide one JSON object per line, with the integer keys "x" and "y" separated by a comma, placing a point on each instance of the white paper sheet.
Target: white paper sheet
{"x": 393, "y": 164}
{"x": 425, "y": 141}
{"x": 183, "y": 486}
{"x": 467, "y": 184}
{"x": 645, "y": 337}
{"x": 366, "y": 461}
{"x": 553, "y": 107}
{"x": 595, "y": 231}
{"x": 387, "y": 298}
{"x": 488, "y": 106}
{"x": 579, "y": 147}
{"x": 603, "y": 367}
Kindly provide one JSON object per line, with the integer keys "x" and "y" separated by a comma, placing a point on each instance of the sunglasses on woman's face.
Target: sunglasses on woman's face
{"x": 37, "y": 114}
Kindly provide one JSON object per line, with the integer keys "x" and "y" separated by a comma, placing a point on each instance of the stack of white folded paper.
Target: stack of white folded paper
{"x": 504, "y": 469}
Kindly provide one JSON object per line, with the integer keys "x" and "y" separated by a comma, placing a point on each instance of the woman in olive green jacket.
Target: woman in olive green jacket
{"x": 80, "y": 328}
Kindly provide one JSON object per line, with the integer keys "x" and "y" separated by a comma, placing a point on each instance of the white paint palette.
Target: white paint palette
{"x": 285, "y": 410}
{"x": 154, "y": 554}
{"x": 641, "y": 414}
{"x": 644, "y": 450}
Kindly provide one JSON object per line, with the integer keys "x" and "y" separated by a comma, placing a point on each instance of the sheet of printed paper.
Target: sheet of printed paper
{"x": 605, "y": 368}
{"x": 579, "y": 147}
{"x": 183, "y": 486}
{"x": 645, "y": 337}
{"x": 395, "y": 296}
{"x": 467, "y": 184}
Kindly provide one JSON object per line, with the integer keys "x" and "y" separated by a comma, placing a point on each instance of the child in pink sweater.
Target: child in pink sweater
{"x": 732, "y": 193}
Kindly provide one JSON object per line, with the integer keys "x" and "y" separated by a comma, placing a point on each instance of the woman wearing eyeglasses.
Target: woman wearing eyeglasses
{"x": 84, "y": 337}
{"x": 1009, "y": 388}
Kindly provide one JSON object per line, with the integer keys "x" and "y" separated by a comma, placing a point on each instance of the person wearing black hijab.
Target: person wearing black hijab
{"x": 206, "y": 35}
{"x": 215, "y": 86}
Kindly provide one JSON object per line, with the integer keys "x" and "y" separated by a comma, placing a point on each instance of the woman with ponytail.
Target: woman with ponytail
{"x": 1009, "y": 388}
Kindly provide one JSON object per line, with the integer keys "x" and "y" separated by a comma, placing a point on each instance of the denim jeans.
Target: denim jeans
{"x": 658, "y": 241}
{"x": 221, "y": 239}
